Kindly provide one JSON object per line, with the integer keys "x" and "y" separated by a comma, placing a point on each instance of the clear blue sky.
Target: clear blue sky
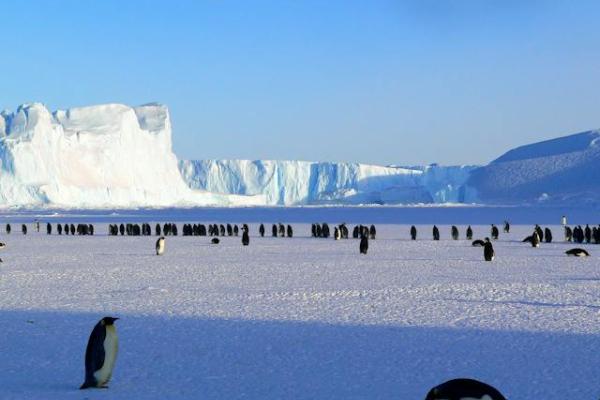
{"x": 370, "y": 81}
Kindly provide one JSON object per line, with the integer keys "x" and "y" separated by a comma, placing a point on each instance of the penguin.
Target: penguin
{"x": 101, "y": 354}
{"x": 160, "y": 246}
{"x": 413, "y": 232}
{"x": 261, "y": 230}
{"x": 495, "y": 232}
{"x": 215, "y": 241}
{"x": 454, "y": 232}
{"x": 488, "y": 250}
{"x": 463, "y": 389}
{"x": 506, "y": 227}
{"x": 364, "y": 244}
{"x": 8, "y": 228}
{"x": 535, "y": 240}
{"x": 274, "y": 230}
{"x": 469, "y": 233}
{"x": 336, "y": 233}
{"x": 588, "y": 234}
{"x": 59, "y": 228}
{"x": 72, "y": 229}
{"x": 2, "y": 245}
{"x": 577, "y": 253}
{"x": 290, "y": 231}
{"x": 568, "y": 234}
{"x": 478, "y": 243}
{"x": 24, "y": 229}
{"x": 372, "y": 232}
{"x": 540, "y": 232}
{"x": 245, "y": 238}
{"x": 436, "y": 233}
{"x": 548, "y": 235}
{"x": 49, "y": 228}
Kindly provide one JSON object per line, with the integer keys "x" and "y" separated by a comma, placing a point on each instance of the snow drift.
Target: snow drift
{"x": 562, "y": 170}
{"x": 302, "y": 182}
{"x": 101, "y": 156}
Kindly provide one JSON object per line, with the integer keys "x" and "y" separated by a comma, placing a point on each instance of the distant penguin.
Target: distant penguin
{"x": 160, "y": 246}
{"x": 49, "y": 228}
{"x": 336, "y": 233}
{"x": 436, "y": 233}
{"x": 2, "y": 245}
{"x": 274, "y": 230}
{"x": 364, "y": 244}
{"x": 568, "y": 234}
{"x": 215, "y": 241}
{"x": 290, "y": 231}
{"x": 535, "y": 239}
{"x": 548, "y": 235}
{"x": 588, "y": 234}
{"x": 478, "y": 243}
{"x": 495, "y": 232}
{"x": 245, "y": 238}
{"x": 261, "y": 230}
{"x": 540, "y": 232}
{"x": 24, "y": 229}
{"x": 413, "y": 232}
{"x": 372, "y": 232}
{"x": 577, "y": 253}
{"x": 8, "y": 228}
{"x": 101, "y": 354}
{"x": 469, "y": 233}
{"x": 488, "y": 250}
{"x": 59, "y": 228}
{"x": 463, "y": 389}
{"x": 506, "y": 227}
{"x": 454, "y": 232}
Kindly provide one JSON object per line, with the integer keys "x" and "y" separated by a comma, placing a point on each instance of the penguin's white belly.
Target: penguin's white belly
{"x": 111, "y": 347}
{"x": 160, "y": 247}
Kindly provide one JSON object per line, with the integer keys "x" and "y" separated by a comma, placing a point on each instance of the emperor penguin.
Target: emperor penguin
{"x": 245, "y": 238}
{"x": 535, "y": 239}
{"x": 454, "y": 232}
{"x": 469, "y": 233}
{"x": 577, "y": 253}
{"x": 160, "y": 246}
{"x": 413, "y": 232}
{"x": 436, "y": 233}
{"x": 462, "y": 389}
{"x": 101, "y": 354}
{"x": 364, "y": 244}
{"x": 336, "y": 233}
{"x": 488, "y": 250}
{"x": 495, "y": 232}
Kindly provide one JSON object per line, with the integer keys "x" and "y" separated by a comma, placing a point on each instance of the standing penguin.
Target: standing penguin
{"x": 458, "y": 389}
{"x": 261, "y": 230}
{"x": 488, "y": 250}
{"x": 469, "y": 233}
{"x": 495, "y": 232}
{"x": 101, "y": 354}
{"x": 49, "y": 228}
{"x": 413, "y": 232}
{"x": 535, "y": 239}
{"x": 336, "y": 233}
{"x": 24, "y": 229}
{"x": 454, "y": 232}
{"x": 364, "y": 244}
{"x": 160, "y": 246}
{"x": 548, "y": 235}
{"x": 506, "y": 227}
{"x": 245, "y": 238}
{"x": 436, "y": 233}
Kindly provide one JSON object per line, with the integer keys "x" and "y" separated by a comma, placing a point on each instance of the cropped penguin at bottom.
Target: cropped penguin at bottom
{"x": 101, "y": 354}
{"x": 463, "y": 389}
{"x": 160, "y": 246}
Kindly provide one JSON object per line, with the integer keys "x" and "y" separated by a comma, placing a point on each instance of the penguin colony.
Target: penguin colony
{"x": 102, "y": 348}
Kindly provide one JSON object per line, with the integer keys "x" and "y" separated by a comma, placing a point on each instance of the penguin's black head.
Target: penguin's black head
{"x": 108, "y": 320}
{"x": 487, "y": 239}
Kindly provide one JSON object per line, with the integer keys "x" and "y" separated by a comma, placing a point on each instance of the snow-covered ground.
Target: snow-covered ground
{"x": 299, "y": 318}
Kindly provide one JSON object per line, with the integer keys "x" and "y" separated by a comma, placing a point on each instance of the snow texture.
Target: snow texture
{"x": 299, "y": 318}
{"x": 302, "y": 182}
{"x": 562, "y": 170}
{"x": 101, "y": 156}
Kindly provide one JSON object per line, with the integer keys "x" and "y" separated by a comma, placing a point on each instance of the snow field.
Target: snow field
{"x": 300, "y": 317}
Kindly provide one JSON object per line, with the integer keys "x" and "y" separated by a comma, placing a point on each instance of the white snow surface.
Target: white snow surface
{"x": 299, "y": 317}
{"x": 303, "y": 182}
{"x": 562, "y": 170}
{"x": 100, "y": 156}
